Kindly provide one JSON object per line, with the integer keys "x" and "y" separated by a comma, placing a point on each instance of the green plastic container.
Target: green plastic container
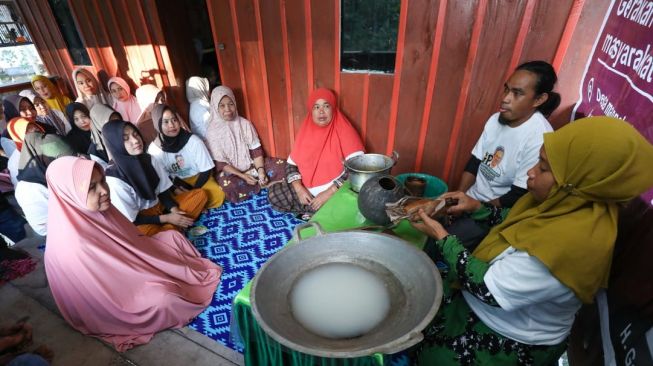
{"x": 434, "y": 186}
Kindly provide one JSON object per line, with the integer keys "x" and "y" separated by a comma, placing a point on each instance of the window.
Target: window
{"x": 369, "y": 35}
{"x": 69, "y": 31}
{"x": 19, "y": 60}
{"x": 12, "y": 30}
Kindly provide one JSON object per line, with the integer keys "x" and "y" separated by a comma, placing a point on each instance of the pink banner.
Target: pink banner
{"x": 618, "y": 78}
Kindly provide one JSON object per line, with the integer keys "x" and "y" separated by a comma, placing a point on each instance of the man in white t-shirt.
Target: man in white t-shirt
{"x": 509, "y": 145}
{"x": 502, "y": 156}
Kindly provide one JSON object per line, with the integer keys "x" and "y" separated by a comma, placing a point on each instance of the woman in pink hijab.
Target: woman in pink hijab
{"x": 108, "y": 280}
{"x": 123, "y": 102}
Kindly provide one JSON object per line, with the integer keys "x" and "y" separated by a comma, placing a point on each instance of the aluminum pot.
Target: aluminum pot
{"x": 413, "y": 282}
{"x": 363, "y": 167}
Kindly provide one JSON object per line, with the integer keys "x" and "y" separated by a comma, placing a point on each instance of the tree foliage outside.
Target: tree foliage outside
{"x": 19, "y": 63}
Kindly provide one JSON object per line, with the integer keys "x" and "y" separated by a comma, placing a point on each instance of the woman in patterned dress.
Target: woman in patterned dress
{"x": 518, "y": 292}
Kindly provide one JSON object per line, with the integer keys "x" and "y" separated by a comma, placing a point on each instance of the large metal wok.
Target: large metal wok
{"x": 412, "y": 279}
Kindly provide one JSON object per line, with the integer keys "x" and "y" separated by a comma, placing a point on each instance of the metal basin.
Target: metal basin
{"x": 363, "y": 167}
{"x": 411, "y": 278}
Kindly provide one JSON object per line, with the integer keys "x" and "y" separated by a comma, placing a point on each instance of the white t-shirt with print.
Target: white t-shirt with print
{"x": 506, "y": 155}
{"x": 191, "y": 160}
{"x": 125, "y": 198}
{"x": 536, "y": 308}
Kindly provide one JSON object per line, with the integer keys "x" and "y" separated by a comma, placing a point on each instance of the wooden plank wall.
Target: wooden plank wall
{"x": 123, "y": 38}
{"x": 453, "y": 57}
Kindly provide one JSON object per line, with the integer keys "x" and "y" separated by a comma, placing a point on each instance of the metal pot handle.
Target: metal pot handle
{"x": 296, "y": 236}
{"x": 395, "y": 156}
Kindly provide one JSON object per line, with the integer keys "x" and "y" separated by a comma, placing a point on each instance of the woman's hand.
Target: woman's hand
{"x": 177, "y": 218}
{"x": 322, "y": 197}
{"x": 249, "y": 179}
{"x": 429, "y": 226}
{"x": 179, "y": 190}
{"x": 465, "y": 203}
{"x": 262, "y": 178}
{"x": 305, "y": 197}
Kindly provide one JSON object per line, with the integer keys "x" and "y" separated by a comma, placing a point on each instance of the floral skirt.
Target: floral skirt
{"x": 458, "y": 337}
{"x": 236, "y": 189}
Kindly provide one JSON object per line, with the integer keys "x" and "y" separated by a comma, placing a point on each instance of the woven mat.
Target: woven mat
{"x": 240, "y": 238}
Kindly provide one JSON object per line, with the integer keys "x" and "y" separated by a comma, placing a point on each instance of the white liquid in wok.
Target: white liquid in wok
{"x": 339, "y": 300}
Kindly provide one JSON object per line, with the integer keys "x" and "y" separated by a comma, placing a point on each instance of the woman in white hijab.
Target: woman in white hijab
{"x": 197, "y": 93}
{"x": 147, "y": 96}
{"x": 88, "y": 88}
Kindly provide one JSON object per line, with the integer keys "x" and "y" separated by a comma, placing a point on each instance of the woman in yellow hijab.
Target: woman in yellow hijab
{"x": 522, "y": 286}
{"x": 50, "y": 93}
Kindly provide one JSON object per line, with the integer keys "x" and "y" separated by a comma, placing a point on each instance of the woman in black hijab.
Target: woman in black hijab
{"x": 140, "y": 187}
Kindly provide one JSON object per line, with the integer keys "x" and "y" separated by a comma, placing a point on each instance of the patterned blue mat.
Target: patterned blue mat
{"x": 241, "y": 237}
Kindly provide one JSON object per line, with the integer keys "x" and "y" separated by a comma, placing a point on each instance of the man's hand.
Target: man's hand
{"x": 465, "y": 203}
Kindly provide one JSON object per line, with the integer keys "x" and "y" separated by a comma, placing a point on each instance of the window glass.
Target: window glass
{"x": 69, "y": 32}
{"x": 369, "y": 35}
{"x": 19, "y": 60}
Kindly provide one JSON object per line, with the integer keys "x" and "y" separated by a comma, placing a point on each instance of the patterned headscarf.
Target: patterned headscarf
{"x": 17, "y": 129}
{"x": 230, "y": 141}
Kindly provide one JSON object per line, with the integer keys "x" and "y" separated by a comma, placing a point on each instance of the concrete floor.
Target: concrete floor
{"x": 31, "y": 296}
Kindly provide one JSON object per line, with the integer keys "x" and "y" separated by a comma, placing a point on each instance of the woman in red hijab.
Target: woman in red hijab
{"x": 314, "y": 171}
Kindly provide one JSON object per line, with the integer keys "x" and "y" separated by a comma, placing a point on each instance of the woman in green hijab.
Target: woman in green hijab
{"x": 516, "y": 295}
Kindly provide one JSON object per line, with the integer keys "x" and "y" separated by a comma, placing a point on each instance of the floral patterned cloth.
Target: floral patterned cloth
{"x": 236, "y": 189}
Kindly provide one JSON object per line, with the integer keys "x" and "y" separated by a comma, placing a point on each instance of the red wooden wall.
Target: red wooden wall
{"x": 123, "y": 38}
{"x": 453, "y": 57}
